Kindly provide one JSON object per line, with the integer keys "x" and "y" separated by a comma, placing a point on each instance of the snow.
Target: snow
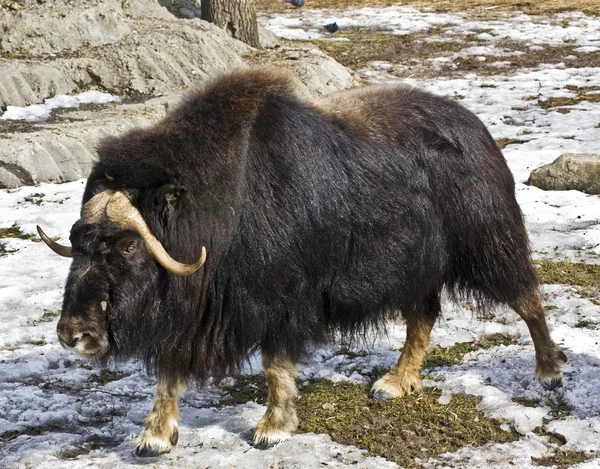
{"x": 308, "y": 24}
{"x": 42, "y": 385}
{"x": 42, "y": 112}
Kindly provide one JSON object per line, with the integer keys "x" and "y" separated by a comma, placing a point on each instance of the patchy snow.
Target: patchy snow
{"x": 42, "y": 112}
{"x": 70, "y": 416}
{"x": 564, "y": 28}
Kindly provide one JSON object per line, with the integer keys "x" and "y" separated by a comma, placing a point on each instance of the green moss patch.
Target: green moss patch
{"x": 561, "y": 459}
{"x": 15, "y": 232}
{"x": 5, "y": 251}
{"x": 48, "y": 316}
{"x": 448, "y": 356}
{"x": 245, "y": 389}
{"x": 399, "y": 430}
{"x": 568, "y": 273}
{"x": 344, "y": 350}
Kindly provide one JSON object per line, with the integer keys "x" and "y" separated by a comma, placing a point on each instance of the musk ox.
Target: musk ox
{"x": 251, "y": 219}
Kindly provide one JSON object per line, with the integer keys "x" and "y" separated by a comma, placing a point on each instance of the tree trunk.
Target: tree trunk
{"x": 237, "y": 17}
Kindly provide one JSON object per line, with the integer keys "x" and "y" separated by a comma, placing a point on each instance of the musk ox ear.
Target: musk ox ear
{"x": 167, "y": 197}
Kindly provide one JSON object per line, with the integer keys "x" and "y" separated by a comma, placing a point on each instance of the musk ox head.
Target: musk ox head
{"x": 115, "y": 266}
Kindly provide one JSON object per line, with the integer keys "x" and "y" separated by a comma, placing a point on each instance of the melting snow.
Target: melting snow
{"x": 44, "y": 387}
{"x": 42, "y": 112}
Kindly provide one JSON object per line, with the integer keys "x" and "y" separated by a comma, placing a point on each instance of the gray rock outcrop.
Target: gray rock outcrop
{"x": 135, "y": 49}
{"x": 570, "y": 171}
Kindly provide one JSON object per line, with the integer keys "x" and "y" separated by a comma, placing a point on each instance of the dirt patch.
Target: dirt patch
{"x": 589, "y": 94}
{"x": 363, "y": 48}
{"x": 527, "y": 402}
{"x": 504, "y": 142}
{"x": 400, "y": 430}
{"x": 591, "y": 7}
{"x": 411, "y": 55}
{"x": 92, "y": 443}
{"x": 28, "y": 430}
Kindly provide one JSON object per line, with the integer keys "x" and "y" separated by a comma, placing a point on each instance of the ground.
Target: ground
{"x": 533, "y": 78}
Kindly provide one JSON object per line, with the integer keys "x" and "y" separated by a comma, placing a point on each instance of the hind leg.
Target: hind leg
{"x": 548, "y": 356}
{"x": 404, "y": 377}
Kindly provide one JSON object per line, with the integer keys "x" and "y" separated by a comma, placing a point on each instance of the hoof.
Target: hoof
{"x": 551, "y": 383}
{"x": 264, "y": 440}
{"x": 548, "y": 373}
{"x": 391, "y": 386}
{"x": 380, "y": 395}
{"x": 151, "y": 446}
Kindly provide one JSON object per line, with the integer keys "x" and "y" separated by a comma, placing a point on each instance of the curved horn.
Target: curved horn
{"x": 59, "y": 249}
{"x": 120, "y": 210}
{"x": 94, "y": 210}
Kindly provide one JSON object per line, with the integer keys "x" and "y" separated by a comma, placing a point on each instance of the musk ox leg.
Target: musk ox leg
{"x": 280, "y": 420}
{"x": 161, "y": 429}
{"x": 404, "y": 378}
{"x": 548, "y": 356}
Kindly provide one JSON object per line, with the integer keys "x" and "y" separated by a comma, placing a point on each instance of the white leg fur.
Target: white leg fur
{"x": 161, "y": 432}
{"x": 280, "y": 419}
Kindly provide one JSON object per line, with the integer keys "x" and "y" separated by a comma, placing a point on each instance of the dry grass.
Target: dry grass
{"x": 537, "y": 7}
{"x": 364, "y": 48}
{"x": 409, "y": 54}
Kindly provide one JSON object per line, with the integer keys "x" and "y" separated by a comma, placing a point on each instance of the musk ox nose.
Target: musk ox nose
{"x": 67, "y": 335}
{"x": 83, "y": 335}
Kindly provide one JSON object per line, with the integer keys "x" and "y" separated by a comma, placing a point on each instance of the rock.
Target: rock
{"x": 134, "y": 49}
{"x": 52, "y": 28}
{"x": 190, "y": 13}
{"x": 268, "y": 40}
{"x": 317, "y": 73}
{"x": 64, "y": 151}
{"x": 570, "y": 171}
{"x": 152, "y": 61}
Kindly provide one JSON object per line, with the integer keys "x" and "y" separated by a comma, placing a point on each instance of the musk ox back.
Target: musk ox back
{"x": 317, "y": 218}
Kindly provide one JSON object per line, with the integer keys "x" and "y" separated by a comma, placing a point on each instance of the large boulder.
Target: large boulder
{"x": 63, "y": 149}
{"x": 571, "y": 171}
{"x": 135, "y": 49}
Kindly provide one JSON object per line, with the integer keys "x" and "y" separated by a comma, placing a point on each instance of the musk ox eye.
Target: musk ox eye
{"x": 130, "y": 249}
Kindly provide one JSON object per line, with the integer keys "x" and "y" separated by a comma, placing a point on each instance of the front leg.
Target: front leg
{"x": 161, "y": 428}
{"x": 280, "y": 419}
